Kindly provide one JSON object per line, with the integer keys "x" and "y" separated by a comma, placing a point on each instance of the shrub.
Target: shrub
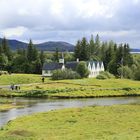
{"x": 82, "y": 69}
{"x": 105, "y": 75}
{"x": 137, "y": 73}
{"x": 100, "y": 76}
{"x": 65, "y": 74}
{"x": 125, "y": 71}
{"x": 35, "y": 93}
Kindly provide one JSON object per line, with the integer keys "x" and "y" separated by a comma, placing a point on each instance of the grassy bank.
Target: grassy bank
{"x": 7, "y": 104}
{"x": 5, "y": 107}
{"x": 81, "y": 88}
{"x": 121, "y": 122}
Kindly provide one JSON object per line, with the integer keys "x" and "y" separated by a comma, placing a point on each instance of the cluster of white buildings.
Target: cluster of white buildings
{"x": 94, "y": 67}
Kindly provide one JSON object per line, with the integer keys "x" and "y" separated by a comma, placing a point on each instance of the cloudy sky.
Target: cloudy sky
{"x": 69, "y": 20}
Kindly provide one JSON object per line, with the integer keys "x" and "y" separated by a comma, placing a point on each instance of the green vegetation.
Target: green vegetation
{"x": 5, "y": 107}
{"x": 116, "y": 57}
{"x": 5, "y": 101}
{"x": 105, "y": 75}
{"x": 82, "y": 69}
{"x": 19, "y": 79}
{"x": 97, "y": 123}
{"x": 28, "y": 60}
{"x": 6, "y": 104}
{"x": 113, "y": 55}
{"x": 65, "y": 74}
{"x": 76, "y": 88}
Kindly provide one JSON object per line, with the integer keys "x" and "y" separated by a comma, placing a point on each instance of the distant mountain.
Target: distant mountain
{"x": 46, "y": 46}
{"x": 135, "y": 50}
{"x": 15, "y": 44}
{"x": 51, "y": 46}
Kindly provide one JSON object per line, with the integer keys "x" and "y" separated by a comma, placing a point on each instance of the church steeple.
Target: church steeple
{"x": 61, "y": 60}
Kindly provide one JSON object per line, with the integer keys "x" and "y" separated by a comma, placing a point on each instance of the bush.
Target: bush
{"x": 137, "y": 73}
{"x": 105, "y": 75}
{"x": 35, "y": 93}
{"x": 82, "y": 69}
{"x": 65, "y": 74}
{"x": 125, "y": 71}
{"x": 100, "y": 76}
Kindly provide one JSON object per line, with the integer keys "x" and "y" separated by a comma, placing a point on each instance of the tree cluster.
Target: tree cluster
{"x": 28, "y": 60}
{"x": 114, "y": 56}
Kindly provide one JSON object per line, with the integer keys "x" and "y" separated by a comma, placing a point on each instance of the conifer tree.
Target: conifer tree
{"x": 38, "y": 66}
{"x": 91, "y": 47}
{"x": 97, "y": 44}
{"x": 42, "y": 57}
{"x": 32, "y": 52}
{"x": 5, "y": 49}
{"x": 77, "y": 51}
{"x": 56, "y": 55}
{"x": 1, "y": 50}
{"x": 84, "y": 49}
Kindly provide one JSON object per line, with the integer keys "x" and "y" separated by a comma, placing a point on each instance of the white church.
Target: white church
{"x": 94, "y": 67}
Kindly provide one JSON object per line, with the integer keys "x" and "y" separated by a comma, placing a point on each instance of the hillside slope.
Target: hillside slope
{"x": 46, "y": 46}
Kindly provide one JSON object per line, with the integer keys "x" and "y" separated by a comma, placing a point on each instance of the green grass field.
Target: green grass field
{"x": 79, "y": 88}
{"x": 19, "y": 79}
{"x": 121, "y": 122}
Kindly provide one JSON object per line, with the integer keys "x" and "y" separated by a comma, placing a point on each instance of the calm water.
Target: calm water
{"x": 40, "y": 105}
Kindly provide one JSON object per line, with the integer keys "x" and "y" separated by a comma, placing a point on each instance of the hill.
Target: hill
{"x": 15, "y": 44}
{"x": 46, "y": 46}
{"x": 135, "y": 50}
{"x": 51, "y": 46}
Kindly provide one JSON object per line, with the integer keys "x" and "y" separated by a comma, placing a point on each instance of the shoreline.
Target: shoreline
{"x": 56, "y": 123}
{"x": 70, "y": 97}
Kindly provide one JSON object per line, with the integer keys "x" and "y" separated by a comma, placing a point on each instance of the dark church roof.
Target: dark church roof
{"x": 52, "y": 66}
{"x": 71, "y": 65}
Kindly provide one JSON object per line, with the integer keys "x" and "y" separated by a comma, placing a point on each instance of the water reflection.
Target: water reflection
{"x": 39, "y": 105}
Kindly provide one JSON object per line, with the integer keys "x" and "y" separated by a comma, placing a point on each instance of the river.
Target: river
{"x": 40, "y": 105}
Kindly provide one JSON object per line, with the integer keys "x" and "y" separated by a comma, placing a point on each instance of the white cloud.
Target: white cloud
{"x": 121, "y": 33}
{"x": 14, "y": 32}
{"x": 69, "y": 19}
{"x": 136, "y": 1}
{"x": 57, "y": 7}
{"x": 95, "y": 8}
{"x": 23, "y": 12}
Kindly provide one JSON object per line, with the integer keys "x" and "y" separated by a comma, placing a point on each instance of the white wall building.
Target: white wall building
{"x": 94, "y": 67}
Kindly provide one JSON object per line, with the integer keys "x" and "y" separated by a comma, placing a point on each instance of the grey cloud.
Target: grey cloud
{"x": 70, "y": 25}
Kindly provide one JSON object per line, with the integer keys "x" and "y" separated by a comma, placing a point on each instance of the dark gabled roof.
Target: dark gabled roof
{"x": 52, "y": 66}
{"x": 71, "y": 65}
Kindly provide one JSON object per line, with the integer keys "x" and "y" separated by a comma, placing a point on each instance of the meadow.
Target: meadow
{"x": 119, "y": 122}
{"x": 78, "y": 88}
{"x": 19, "y": 79}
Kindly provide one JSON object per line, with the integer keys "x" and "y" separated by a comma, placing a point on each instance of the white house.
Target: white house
{"x": 49, "y": 67}
{"x": 94, "y": 67}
